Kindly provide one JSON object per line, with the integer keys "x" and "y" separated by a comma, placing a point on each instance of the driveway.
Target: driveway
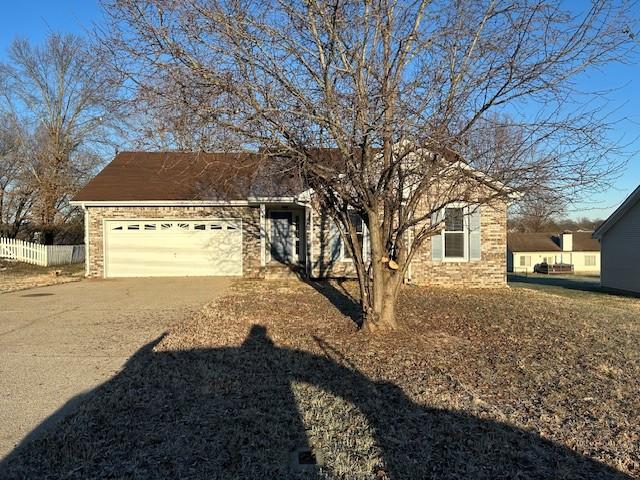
{"x": 60, "y": 341}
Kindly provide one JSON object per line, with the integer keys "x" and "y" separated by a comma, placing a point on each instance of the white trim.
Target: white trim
{"x": 86, "y": 240}
{"x": 263, "y": 233}
{"x": 365, "y": 243}
{"x": 104, "y": 248}
{"x": 343, "y": 248}
{"x": 185, "y": 203}
{"x": 294, "y": 257}
{"x": 409, "y": 273}
{"x": 308, "y": 210}
{"x": 465, "y": 231}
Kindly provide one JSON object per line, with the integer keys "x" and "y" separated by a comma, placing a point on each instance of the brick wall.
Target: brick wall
{"x": 490, "y": 271}
{"x": 250, "y": 224}
{"x": 321, "y": 263}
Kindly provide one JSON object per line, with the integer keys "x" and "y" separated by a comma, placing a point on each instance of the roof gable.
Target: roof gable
{"x": 629, "y": 202}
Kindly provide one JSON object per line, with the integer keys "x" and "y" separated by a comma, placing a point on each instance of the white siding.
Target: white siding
{"x": 532, "y": 259}
{"x": 581, "y": 265}
{"x": 620, "y": 247}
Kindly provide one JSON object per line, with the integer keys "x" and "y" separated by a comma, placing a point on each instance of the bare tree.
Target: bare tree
{"x": 400, "y": 91}
{"x": 15, "y": 199}
{"x": 63, "y": 96}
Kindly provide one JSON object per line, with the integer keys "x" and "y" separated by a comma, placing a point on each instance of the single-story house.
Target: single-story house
{"x": 619, "y": 237}
{"x": 526, "y": 250}
{"x": 196, "y": 214}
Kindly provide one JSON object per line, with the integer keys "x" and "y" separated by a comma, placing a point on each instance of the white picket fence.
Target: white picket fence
{"x": 43, "y": 255}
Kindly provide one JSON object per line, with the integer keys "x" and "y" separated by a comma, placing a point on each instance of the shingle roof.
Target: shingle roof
{"x": 184, "y": 176}
{"x": 532, "y": 242}
{"x": 140, "y": 176}
{"x": 550, "y": 242}
{"x": 584, "y": 242}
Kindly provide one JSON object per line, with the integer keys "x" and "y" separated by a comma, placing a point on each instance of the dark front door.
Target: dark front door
{"x": 281, "y": 236}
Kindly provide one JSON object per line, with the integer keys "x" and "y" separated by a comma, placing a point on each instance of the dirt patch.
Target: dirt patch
{"x": 479, "y": 384}
{"x": 20, "y": 276}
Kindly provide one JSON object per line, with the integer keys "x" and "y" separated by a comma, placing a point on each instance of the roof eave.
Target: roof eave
{"x": 183, "y": 203}
{"x": 629, "y": 202}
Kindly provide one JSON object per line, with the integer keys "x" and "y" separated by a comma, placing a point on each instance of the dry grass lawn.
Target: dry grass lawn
{"x": 20, "y": 276}
{"x": 495, "y": 384}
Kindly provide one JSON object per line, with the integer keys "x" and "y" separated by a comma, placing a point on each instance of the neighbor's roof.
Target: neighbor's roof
{"x": 629, "y": 203}
{"x": 532, "y": 242}
{"x": 550, "y": 242}
{"x": 584, "y": 242}
{"x": 148, "y": 176}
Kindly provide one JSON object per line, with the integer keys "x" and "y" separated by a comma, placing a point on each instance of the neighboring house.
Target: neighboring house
{"x": 189, "y": 214}
{"x": 619, "y": 237}
{"x": 526, "y": 250}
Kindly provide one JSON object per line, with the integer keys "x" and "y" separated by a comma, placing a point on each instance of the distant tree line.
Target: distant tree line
{"x": 529, "y": 224}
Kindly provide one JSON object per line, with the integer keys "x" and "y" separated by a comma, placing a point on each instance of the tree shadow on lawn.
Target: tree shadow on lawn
{"x": 339, "y": 296}
{"x": 231, "y": 413}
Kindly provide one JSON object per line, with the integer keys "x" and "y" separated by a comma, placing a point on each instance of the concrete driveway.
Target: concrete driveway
{"x": 57, "y": 342}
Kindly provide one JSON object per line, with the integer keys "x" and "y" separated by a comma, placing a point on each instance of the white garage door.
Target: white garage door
{"x": 173, "y": 248}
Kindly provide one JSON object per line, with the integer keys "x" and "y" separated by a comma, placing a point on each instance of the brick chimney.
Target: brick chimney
{"x": 566, "y": 241}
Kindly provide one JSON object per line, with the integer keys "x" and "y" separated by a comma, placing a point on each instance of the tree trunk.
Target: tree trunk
{"x": 380, "y": 313}
{"x": 379, "y": 307}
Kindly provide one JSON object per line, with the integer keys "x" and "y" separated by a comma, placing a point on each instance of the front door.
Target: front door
{"x": 281, "y": 236}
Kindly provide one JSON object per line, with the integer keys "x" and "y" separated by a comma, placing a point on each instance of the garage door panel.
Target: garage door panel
{"x": 137, "y": 248}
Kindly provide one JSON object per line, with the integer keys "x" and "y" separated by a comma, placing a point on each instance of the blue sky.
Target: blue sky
{"x": 33, "y": 19}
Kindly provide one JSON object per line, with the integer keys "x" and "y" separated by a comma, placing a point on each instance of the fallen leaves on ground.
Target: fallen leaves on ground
{"x": 498, "y": 383}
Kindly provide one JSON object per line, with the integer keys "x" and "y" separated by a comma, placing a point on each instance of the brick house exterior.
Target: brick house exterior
{"x": 97, "y": 215}
{"x": 133, "y": 194}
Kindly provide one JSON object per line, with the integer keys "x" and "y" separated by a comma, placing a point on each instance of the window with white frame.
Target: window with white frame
{"x": 358, "y": 224}
{"x": 525, "y": 260}
{"x": 589, "y": 260}
{"x": 455, "y": 234}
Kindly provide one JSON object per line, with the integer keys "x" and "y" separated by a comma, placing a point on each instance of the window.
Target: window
{"x": 215, "y": 226}
{"x": 119, "y": 227}
{"x": 199, "y": 226}
{"x": 357, "y": 222}
{"x": 458, "y": 236}
{"x": 149, "y": 226}
{"x": 589, "y": 260}
{"x": 525, "y": 260}
{"x": 133, "y": 227}
{"x": 454, "y": 233}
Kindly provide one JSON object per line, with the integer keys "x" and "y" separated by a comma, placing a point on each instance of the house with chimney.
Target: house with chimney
{"x": 526, "y": 252}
